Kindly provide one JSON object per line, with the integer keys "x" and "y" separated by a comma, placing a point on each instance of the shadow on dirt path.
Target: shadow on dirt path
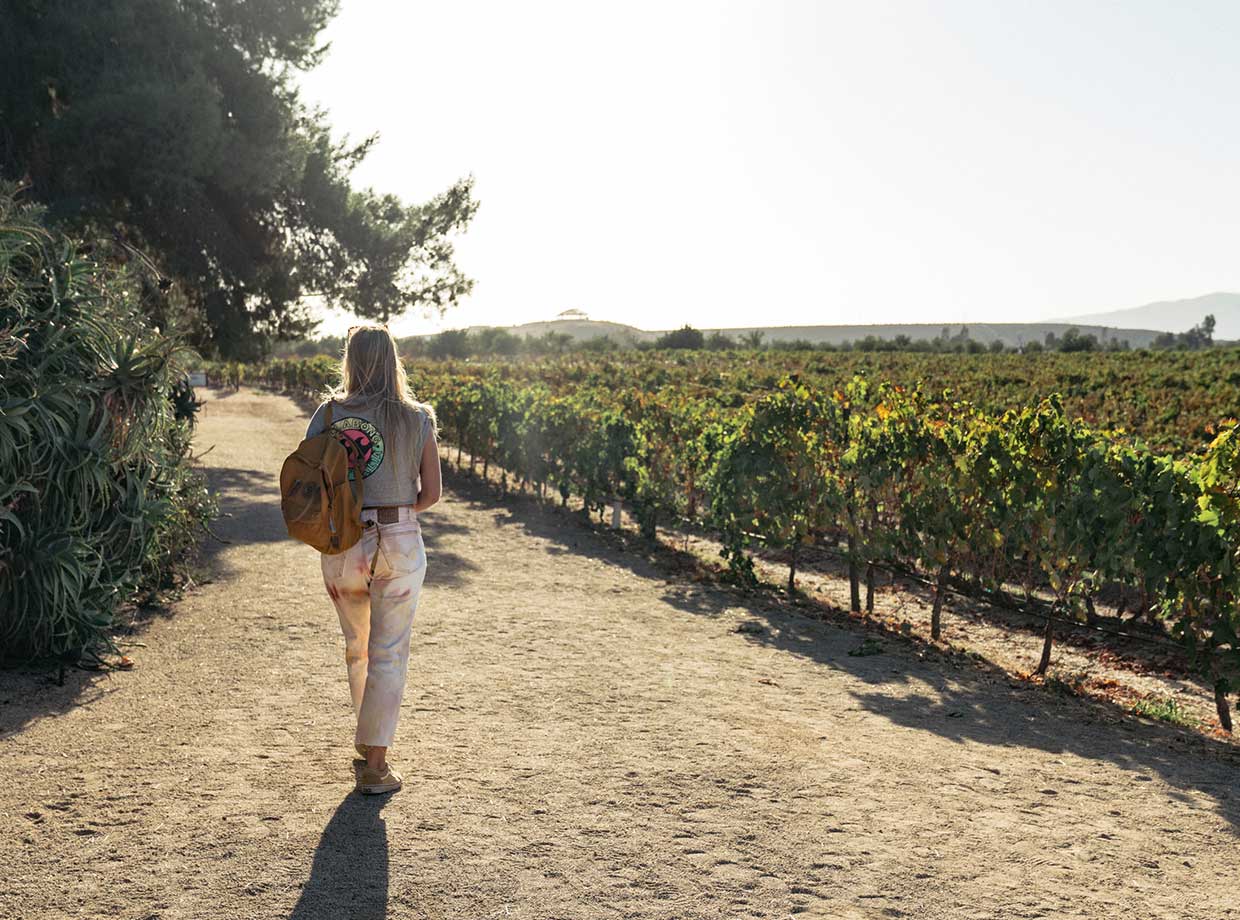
{"x": 349, "y": 874}
{"x": 972, "y": 700}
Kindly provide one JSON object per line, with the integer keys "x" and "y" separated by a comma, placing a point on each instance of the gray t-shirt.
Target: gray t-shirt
{"x": 389, "y": 477}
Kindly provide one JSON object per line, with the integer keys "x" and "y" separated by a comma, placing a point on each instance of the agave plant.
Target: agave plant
{"x": 98, "y": 501}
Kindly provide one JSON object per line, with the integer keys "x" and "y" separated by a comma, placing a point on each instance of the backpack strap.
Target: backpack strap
{"x": 354, "y": 476}
{"x": 328, "y": 492}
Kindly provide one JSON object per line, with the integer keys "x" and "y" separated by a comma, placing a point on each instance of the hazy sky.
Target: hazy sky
{"x": 781, "y": 163}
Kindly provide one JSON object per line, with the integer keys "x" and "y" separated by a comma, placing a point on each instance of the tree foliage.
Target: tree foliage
{"x": 684, "y": 337}
{"x": 1200, "y": 336}
{"x": 175, "y": 129}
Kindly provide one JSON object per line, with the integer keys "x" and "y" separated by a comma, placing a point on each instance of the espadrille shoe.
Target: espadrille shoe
{"x": 370, "y": 782}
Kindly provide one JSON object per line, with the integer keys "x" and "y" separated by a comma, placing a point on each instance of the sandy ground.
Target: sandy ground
{"x": 585, "y": 734}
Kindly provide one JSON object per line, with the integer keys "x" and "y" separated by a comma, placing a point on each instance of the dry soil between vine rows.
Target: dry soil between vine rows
{"x": 585, "y": 734}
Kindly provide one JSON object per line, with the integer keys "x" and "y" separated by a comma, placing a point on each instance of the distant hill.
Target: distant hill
{"x": 1008, "y": 333}
{"x": 1139, "y": 326}
{"x": 1175, "y": 315}
{"x": 578, "y": 329}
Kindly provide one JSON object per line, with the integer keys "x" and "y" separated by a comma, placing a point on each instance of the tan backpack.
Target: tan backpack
{"x": 321, "y": 505}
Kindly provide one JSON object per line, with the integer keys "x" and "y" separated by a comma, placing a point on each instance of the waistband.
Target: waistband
{"x": 390, "y": 514}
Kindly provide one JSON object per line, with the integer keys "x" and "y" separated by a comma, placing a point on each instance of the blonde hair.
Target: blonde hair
{"x": 372, "y": 372}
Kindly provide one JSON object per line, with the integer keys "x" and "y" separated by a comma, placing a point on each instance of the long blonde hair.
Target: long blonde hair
{"x": 372, "y": 372}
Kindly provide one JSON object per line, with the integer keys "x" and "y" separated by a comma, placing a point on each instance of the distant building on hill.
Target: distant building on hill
{"x": 572, "y": 313}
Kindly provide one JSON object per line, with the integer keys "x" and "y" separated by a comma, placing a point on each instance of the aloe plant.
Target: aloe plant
{"x": 99, "y": 504}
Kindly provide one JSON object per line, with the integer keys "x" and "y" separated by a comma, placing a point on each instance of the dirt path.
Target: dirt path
{"x": 584, "y": 736}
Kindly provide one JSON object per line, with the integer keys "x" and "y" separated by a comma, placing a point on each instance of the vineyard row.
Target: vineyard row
{"x": 1030, "y": 497}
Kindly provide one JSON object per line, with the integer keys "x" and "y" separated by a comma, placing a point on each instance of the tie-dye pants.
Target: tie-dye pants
{"x": 376, "y": 616}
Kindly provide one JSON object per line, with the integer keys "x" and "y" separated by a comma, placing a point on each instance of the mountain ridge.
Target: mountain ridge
{"x": 1139, "y": 326}
{"x": 1173, "y": 315}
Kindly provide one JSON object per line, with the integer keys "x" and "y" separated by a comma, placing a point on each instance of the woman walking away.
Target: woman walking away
{"x": 375, "y": 584}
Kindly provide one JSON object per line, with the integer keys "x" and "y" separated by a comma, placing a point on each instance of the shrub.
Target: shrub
{"x": 98, "y": 502}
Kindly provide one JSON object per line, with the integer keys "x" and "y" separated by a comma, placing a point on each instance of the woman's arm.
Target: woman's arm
{"x": 429, "y": 475}
{"x": 316, "y": 421}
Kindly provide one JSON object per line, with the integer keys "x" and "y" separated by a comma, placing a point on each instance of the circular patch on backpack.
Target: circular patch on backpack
{"x": 365, "y": 438}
